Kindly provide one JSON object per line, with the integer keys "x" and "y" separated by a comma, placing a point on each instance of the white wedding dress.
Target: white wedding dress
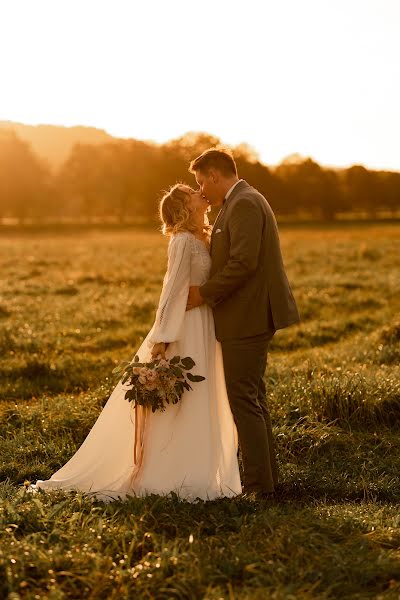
{"x": 191, "y": 447}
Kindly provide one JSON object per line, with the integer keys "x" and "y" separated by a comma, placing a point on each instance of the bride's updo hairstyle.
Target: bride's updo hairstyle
{"x": 175, "y": 214}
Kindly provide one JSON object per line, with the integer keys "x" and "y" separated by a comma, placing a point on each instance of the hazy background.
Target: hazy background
{"x": 104, "y": 104}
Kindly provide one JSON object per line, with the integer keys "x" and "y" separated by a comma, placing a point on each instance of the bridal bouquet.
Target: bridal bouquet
{"x": 157, "y": 383}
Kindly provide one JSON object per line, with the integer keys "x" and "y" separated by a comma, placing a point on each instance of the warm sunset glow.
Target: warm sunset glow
{"x": 314, "y": 77}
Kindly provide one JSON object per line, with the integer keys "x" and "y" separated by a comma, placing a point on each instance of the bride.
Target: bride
{"x": 191, "y": 448}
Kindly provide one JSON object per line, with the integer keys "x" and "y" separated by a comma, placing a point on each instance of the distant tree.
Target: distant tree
{"x": 309, "y": 189}
{"x": 119, "y": 176}
{"x": 153, "y": 175}
{"x": 362, "y": 190}
{"x": 389, "y": 186}
{"x": 331, "y": 199}
{"x": 191, "y": 144}
{"x": 311, "y": 182}
{"x": 258, "y": 175}
{"x": 25, "y": 190}
{"x": 82, "y": 177}
{"x": 246, "y": 153}
{"x": 124, "y": 179}
{"x": 53, "y": 143}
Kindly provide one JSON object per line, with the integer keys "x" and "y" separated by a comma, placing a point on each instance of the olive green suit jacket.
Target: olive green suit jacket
{"x": 248, "y": 289}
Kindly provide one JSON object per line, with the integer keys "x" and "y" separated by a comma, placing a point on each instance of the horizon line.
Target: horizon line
{"x": 231, "y": 146}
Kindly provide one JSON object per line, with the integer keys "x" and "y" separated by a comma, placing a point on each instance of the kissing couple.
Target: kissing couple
{"x": 224, "y": 295}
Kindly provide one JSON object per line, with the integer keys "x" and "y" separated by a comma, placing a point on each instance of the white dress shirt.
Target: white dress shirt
{"x": 229, "y": 192}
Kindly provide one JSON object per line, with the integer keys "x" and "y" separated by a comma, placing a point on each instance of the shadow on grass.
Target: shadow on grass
{"x": 36, "y": 376}
{"x": 316, "y": 333}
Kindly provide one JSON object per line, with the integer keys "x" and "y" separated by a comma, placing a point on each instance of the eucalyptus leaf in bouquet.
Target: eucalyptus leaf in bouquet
{"x": 157, "y": 383}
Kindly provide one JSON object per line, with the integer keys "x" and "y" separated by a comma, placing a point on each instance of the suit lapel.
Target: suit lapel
{"x": 219, "y": 215}
{"x": 214, "y": 229}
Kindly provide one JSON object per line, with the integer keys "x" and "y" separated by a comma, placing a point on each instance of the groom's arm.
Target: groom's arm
{"x": 245, "y": 227}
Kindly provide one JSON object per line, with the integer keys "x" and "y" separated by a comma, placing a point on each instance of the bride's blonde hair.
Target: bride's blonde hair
{"x": 175, "y": 214}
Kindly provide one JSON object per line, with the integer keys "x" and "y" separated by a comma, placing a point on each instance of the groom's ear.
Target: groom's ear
{"x": 214, "y": 175}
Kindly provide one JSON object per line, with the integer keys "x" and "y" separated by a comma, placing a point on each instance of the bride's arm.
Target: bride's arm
{"x": 172, "y": 305}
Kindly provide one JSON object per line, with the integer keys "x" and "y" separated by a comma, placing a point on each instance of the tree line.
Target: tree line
{"x": 123, "y": 180}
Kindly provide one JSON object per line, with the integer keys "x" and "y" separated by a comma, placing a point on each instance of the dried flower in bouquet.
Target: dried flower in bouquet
{"x": 157, "y": 383}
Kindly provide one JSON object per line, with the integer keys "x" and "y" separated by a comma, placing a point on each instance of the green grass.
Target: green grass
{"x": 73, "y": 304}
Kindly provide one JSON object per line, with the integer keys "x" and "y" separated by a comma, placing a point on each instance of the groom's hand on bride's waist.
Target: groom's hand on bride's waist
{"x": 194, "y": 298}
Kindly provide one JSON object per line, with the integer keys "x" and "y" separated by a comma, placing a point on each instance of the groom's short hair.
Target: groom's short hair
{"x": 221, "y": 160}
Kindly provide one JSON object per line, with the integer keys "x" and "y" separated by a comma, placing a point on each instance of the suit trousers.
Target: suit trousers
{"x": 245, "y": 361}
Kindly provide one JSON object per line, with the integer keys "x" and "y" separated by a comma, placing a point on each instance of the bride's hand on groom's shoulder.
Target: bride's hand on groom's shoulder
{"x": 194, "y": 298}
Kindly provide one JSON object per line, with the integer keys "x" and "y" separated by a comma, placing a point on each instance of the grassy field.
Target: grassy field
{"x": 73, "y": 305}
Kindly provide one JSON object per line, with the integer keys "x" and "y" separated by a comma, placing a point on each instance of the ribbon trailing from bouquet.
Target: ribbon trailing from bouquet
{"x": 138, "y": 446}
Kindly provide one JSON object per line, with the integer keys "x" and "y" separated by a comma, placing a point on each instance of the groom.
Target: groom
{"x": 251, "y": 298}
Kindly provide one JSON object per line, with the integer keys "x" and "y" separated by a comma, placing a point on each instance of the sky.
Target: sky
{"x": 316, "y": 77}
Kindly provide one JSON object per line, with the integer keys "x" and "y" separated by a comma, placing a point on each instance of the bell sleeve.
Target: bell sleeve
{"x": 172, "y": 304}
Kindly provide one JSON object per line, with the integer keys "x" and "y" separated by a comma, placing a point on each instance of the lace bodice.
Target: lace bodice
{"x": 200, "y": 261}
{"x": 189, "y": 263}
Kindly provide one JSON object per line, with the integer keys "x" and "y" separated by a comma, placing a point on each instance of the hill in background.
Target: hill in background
{"x": 53, "y": 143}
